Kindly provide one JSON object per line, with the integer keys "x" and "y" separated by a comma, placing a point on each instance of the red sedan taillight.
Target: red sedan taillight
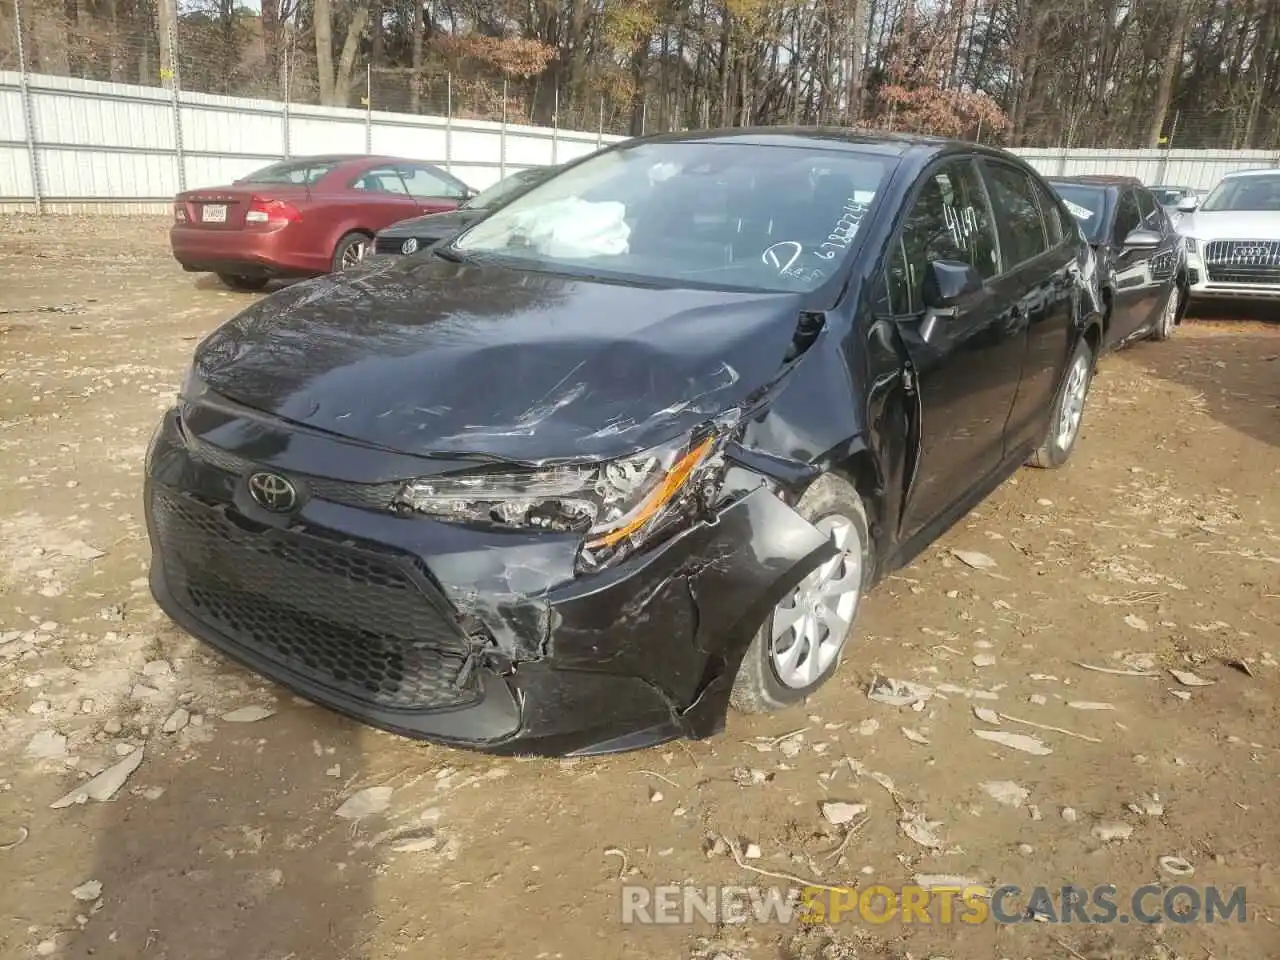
{"x": 179, "y": 212}
{"x": 262, "y": 210}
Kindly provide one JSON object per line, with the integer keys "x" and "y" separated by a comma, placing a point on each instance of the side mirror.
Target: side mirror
{"x": 1142, "y": 239}
{"x": 1188, "y": 204}
{"x": 948, "y": 281}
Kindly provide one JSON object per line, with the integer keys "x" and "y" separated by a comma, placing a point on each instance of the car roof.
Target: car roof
{"x": 1252, "y": 173}
{"x": 348, "y": 158}
{"x": 1099, "y": 180}
{"x": 833, "y": 138}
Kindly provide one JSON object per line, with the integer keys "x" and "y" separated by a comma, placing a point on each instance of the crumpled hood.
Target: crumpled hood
{"x": 1230, "y": 225}
{"x": 431, "y": 357}
{"x": 433, "y": 224}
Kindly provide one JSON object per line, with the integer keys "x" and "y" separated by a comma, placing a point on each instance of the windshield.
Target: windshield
{"x": 779, "y": 218}
{"x": 1169, "y": 196}
{"x": 1245, "y": 193}
{"x": 506, "y": 187}
{"x": 1087, "y": 204}
{"x": 301, "y": 172}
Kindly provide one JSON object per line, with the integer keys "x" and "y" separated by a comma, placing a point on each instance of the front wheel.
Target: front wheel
{"x": 1068, "y": 411}
{"x": 798, "y": 647}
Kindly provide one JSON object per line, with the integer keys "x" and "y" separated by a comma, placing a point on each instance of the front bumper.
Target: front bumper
{"x": 1206, "y": 281}
{"x": 465, "y": 637}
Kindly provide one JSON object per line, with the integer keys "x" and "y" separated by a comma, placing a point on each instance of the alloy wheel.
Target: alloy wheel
{"x": 1073, "y": 395}
{"x": 811, "y": 624}
{"x": 354, "y": 254}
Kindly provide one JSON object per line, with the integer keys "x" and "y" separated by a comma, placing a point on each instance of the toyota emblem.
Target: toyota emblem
{"x": 409, "y": 246}
{"x": 273, "y": 492}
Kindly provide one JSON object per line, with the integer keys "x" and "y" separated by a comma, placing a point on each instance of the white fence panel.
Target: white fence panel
{"x": 132, "y": 148}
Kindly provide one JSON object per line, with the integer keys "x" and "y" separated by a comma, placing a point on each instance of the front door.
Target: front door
{"x": 965, "y": 367}
{"x": 1131, "y": 284}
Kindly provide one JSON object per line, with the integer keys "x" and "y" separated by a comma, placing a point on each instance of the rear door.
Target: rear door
{"x": 1028, "y": 285}
{"x": 965, "y": 369}
{"x": 432, "y": 189}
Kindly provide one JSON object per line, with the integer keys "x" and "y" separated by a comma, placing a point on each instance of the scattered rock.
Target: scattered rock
{"x": 46, "y": 948}
{"x": 984, "y": 660}
{"x": 112, "y": 726}
{"x": 334, "y": 771}
{"x": 79, "y": 550}
{"x": 1039, "y": 699}
{"x": 1016, "y": 741}
{"x": 157, "y": 668}
{"x": 88, "y": 891}
{"x": 176, "y": 721}
{"x": 753, "y": 852}
{"x": 837, "y": 812}
{"x": 1181, "y": 694}
{"x": 922, "y": 831}
{"x": 972, "y": 558}
{"x": 897, "y": 693}
{"x": 1177, "y": 866}
{"x": 869, "y": 726}
{"x": 1110, "y": 832}
{"x": 915, "y": 736}
{"x": 104, "y": 786}
{"x": 1069, "y": 814}
{"x": 1090, "y": 705}
{"x": 987, "y": 715}
{"x": 1026, "y": 849}
{"x": 1006, "y": 792}
{"x": 1189, "y": 679}
{"x": 365, "y": 803}
{"x": 655, "y": 796}
{"x": 251, "y": 714}
{"x": 47, "y": 745}
{"x": 1137, "y": 623}
{"x": 750, "y": 777}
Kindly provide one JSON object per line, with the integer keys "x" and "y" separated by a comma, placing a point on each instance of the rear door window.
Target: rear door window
{"x": 1013, "y": 196}
{"x": 381, "y": 180}
{"x": 300, "y": 172}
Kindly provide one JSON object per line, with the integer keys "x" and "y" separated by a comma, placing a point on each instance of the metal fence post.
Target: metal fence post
{"x": 284, "y": 110}
{"x": 28, "y": 114}
{"x": 600, "y": 126}
{"x": 179, "y": 152}
{"x": 555, "y": 127}
{"x": 1062, "y": 164}
{"x": 368, "y": 108}
{"x": 448, "y": 122}
{"x": 502, "y": 135}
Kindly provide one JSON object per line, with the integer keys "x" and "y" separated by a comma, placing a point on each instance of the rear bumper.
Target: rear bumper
{"x": 246, "y": 252}
{"x": 525, "y": 658}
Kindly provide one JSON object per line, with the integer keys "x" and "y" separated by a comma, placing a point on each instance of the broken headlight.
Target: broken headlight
{"x": 616, "y": 506}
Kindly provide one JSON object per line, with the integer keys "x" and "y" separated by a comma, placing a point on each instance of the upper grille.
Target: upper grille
{"x": 368, "y": 496}
{"x": 351, "y": 619}
{"x": 1243, "y": 261}
{"x": 388, "y": 244}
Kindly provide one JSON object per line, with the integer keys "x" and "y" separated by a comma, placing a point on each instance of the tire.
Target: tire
{"x": 1168, "y": 319}
{"x": 1060, "y": 439}
{"x": 831, "y": 504}
{"x": 351, "y": 251}
{"x": 243, "y": 283}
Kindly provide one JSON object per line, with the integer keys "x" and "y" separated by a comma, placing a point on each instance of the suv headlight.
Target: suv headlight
{"x": 1190, "y": 244}
{"x": 616, "y": 506}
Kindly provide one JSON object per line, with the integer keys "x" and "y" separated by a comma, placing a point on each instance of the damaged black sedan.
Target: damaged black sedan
{"x": 632, "y": 448}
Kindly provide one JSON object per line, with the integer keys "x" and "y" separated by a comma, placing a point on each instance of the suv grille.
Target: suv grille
{"x": 1243, "y": 261}
{"x": 353, "y": 620}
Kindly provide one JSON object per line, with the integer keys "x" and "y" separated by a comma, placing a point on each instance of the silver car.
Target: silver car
{"x": 1233, "y": 239}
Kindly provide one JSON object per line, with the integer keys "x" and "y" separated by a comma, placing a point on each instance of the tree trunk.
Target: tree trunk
{"x": 1168, "y": 71}
{"x": 415, "y": 77}
{"x": 323, "y": 15}
{"x": 167, "y": 36}
{"x": 346, "y": 65}
{"x": 578, "y": 54}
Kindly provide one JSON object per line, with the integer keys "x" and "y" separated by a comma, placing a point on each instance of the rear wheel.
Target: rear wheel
{"x": 798, "y": 646}
{"x": 351, "y": 251}
{"x": 1068, "y": 410}
{"x": 237, "y": 282}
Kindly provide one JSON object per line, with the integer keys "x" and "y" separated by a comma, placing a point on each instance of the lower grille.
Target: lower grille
{"x": 349, "y": 619}
{"x": 1269, "y": 275}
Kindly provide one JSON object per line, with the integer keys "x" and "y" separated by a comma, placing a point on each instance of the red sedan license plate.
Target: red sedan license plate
{"x": 214, "y": 213}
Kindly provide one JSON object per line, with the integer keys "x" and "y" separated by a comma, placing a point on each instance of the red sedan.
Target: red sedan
{"x": 303, "y": 217}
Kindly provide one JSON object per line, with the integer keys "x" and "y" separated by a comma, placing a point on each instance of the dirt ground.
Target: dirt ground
{"x": 1157, "y": 548}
